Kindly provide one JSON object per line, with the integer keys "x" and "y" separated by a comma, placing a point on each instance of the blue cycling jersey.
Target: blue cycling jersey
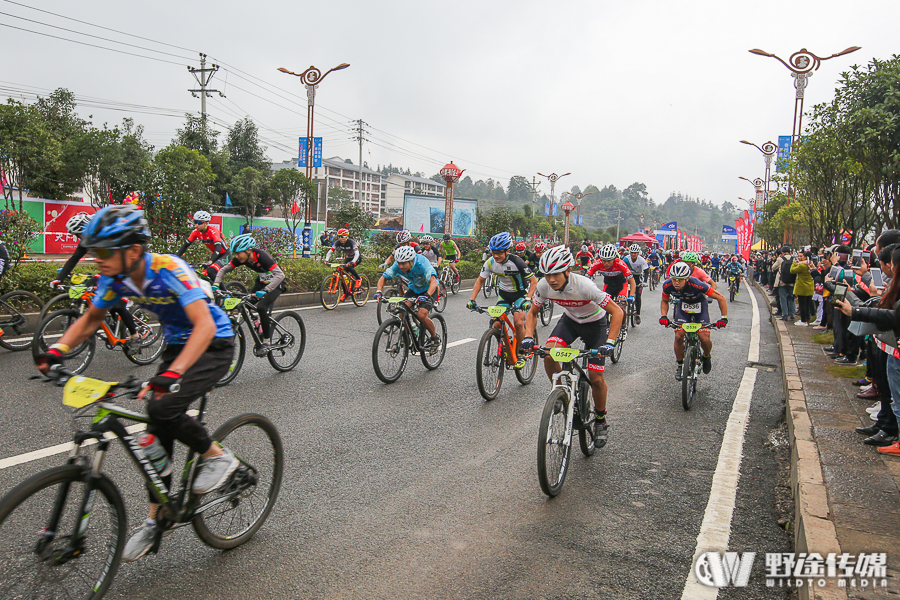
{"x": 169, "y": 286}
{"x": 715, "y": 261}
{"x": 654, "y": 259}
{"x": 419, "y": 276}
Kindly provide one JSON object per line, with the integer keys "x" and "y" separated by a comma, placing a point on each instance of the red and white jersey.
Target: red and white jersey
{"x": 697, "y": 272}
{"x": 581, "y": 299}
{"x": 618, "y": 269}
{"x": 212, "y": 238}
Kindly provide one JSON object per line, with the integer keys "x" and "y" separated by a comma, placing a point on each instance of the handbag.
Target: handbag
{"x": 859, "y": 328}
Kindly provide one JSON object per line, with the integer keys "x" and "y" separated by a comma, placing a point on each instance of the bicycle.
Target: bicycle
{"x": 569, "y": 406}
{"x": 692, "y": 363}
{"x": 337, "y": 287}
{"x": 628, "y": 309}
{"x": 288, "y": 335}
{"x": 397, "y": 289}
{"x": 19, "y": 317}
{"x": 653, "y": 279}
{"x": 714, "y": 273}
{"x": 546, "y": 313}
{"x": 62, "y": 531}
{"x": 498, "y": 352}
{"x": 734, "y": 286}
{"x": 149, "y": 346}
{"x": 491, "y": 286}
{"x": 404, "y": 333}
{"x": 449, "y": 278}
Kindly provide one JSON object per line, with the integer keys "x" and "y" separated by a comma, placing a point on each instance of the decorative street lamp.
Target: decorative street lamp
{"x": 553, "y": 177}
{"x": 579, "y": 196}
{"x": 567, "y": 207}
{"x": 311, "y": 78}
{"x": 451, "y": 174}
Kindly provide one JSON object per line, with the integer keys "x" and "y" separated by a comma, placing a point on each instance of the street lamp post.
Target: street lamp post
{"x": 311, "y": 78}
{"x": 567, "y": 207}
{"x": 579, "y": 197}
{"x": 451, "y": 173}
{"x": 553, "y": 177}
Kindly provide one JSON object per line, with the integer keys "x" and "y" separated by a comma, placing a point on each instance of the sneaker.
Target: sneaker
{"x": 874, "y": 409}
{"x": 601, "y": 432}
{"x": 801, "y": 324}
{"x": 679, "y": 372}
{"x": 707, "y": 364}
{"x": 261, "y": 350}
{"x": 140, "y": 542}
{"x": 820, "y": 327}
{"x": 892, "y": 449}
{"x": 637, "y": 319}
{"x": 214, "y": 471}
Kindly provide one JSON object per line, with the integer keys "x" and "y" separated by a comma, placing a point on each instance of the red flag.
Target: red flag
{"x": 109, "y": 193}
{"x": 2, "y": 179}
{"x": 295, "y": 208}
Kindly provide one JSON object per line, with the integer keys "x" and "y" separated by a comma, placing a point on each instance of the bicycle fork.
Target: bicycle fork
{"x": 569, "y": 386}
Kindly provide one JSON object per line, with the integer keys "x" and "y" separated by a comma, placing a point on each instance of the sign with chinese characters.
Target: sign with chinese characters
{"x": 57, "y": 239}
{"x": 784, "y": 153}
{"x": 304, "y": 152}
{"x": 426, "y": 214}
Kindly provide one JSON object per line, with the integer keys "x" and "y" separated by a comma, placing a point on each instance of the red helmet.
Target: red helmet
{"x": 734, "y": 259}
{"x": 520, "y": 247}
{"x": 540, "y": 247}
{"x": 342, "y": 232}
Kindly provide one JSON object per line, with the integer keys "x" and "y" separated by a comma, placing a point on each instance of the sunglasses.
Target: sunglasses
{"x": 199, "y": 222}
{"x": 102, "y": 253}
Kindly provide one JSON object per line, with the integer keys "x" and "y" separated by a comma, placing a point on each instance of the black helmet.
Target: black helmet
{"x": 116, "y": 227}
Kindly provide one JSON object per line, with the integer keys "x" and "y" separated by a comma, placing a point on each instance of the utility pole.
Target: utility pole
{"x": 618, "y": 218}
{"x": 359, "y": 137}
{"x": 533, "y": 188}
{"x": 205, "y": 75}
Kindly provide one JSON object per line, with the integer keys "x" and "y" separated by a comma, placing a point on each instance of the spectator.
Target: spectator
{"x": 804, "y": 287}
{"x": 786, "y": 281}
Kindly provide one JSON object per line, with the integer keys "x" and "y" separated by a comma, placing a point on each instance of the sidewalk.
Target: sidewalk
{"x": 846, "y": 494}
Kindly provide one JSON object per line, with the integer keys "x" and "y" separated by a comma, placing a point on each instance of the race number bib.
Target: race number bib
{"x": 692, "y": 308}
{"x": 267, "y": 277}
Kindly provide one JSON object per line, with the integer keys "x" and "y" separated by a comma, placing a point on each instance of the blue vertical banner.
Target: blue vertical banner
{"x": 784, "y": 153}
{"x": 317, "y": 152}
{"x": 555, "y": 207}
{"x": 546, "y": 209}
{"x": 303, "y": 152}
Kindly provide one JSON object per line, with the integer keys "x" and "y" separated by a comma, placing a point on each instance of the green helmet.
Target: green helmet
{"x": 690, "y": 257}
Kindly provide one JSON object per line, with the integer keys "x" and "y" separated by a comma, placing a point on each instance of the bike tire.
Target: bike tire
{"x": 50, "y": 331}
{"x": 153, "y": 343}
{"x": 19, "y": 337}
{"x": 441, "y": 302}
{"x": 433, "y": 361}
{"x": 235, "y": 286}
{"x": 240, "y": 351}
{"x": 586, "y": 432}
{"x": 56, "y": 303}
{"x": 455, "y": 283}
{"x": 330, "y": 299}
{"x": 262, "y": 460}
{"x": 525, "y": 375}
{"x": 287, "y": 324}
{"x": 489, "y": 377}
{"x": 19, "y": 530}
{"x": 391, "y": 337}
{"x": 617, "y": 349}
{"x": 361, "y": 296}
{"x": 381, "y": 308}
{"x": 689, "y": 379}
{"x": 552, "y": 454}
{"x": 546, "y": 313}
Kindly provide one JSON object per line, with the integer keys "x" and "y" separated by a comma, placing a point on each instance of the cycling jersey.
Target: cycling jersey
{"x": 270, "y": 274}
{"x": 419, "y": 276}
{"x": 697, "y": 272}
{"x": 653, "y": 259}
{"x": 638, "y": 266}
{"x": 694, "y": 291}
{"x": 618, "y": 272}
{"x": 715, "y": 261}
{"x": 735, "y": 268}
{"x": 169, "y": 286}
{"x": 348, "y": 247}
{"x": 584, "y": 256}
{"x": 514, "y": 274}
{"x": 581, "y": 299}
{"x": 212, "y": 238}
{"x": 448, "y": 249}
{"x": 431, "y": 254}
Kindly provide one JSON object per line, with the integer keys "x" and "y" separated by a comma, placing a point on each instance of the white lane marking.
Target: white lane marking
{"x": 460, "y": 342}
{"x": 20, "y": 459}
{"x": 753, "y": 353}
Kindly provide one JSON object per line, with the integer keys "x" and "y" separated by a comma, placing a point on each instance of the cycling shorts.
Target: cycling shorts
{"x": 702, "y": 316}
{"x": 510, "y": 298}
{"x": 594, "y": 334}
{"x": 428, "y": 304}
{"x": 450, "y": 257}
{"x": 614, "y": 288}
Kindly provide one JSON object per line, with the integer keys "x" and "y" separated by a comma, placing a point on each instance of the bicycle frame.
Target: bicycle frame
{"x": 500, "y": 314}
{"x": 17, "y": 317}
{"x": 397, "y": 306}
{"x": 568, "y": 379}
{"x": 246, "y": 311}
{"x": 342, "y": 280}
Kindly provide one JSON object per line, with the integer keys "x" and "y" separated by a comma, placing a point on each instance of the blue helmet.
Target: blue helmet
{"x": 116, "y": 227}
{"x": 501, "y": 241}
{"x": 243, "y": 242}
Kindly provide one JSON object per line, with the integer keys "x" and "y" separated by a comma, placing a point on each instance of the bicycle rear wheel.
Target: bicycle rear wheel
{"x": 617, "y": 350}
{"x": 454, "y": 282}
{"x": 330, "y": 291}
{"x": 51, "y": 330}
{"x": 22, "y": 311}
{"x": 490, "y": 364}
{"x": 525, "y": 375}
{"x": 390, "y": 351}
{"x": 289, "y": 339}
{"x": 240, "y": 507}
{"x": 240, "y": 350}
{"x": 56, "y": 570}
{"x": 553, "y": 453}
{"x": 56, "y": 303}
{"x": 360, "y": 295}
{"x": 689, "y": 377}
{"x": 546, "y": 313}
{"x": 441, "y": 302}
{"x": 433, "y": 359}
{"x": 235, "y": 286}
{"x": 152, "y": 341}
{"x": 381, "y": 309}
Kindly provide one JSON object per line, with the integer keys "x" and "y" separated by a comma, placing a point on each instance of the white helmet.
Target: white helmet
{"x": 426, "y": 239}
{"x": 608, "y": 252}
{"x": 405, "y": 254}
{"x": 76, "y": 224}
{"x": 202, "y": 215}
{"x": 556, "y": 260}
{"x": 634, "y": 248}
{"x": 681, "y": 270}
{"x": 404, "y": 236}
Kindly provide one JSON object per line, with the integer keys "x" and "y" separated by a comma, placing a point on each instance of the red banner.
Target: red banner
{"x": 56, "y": 239}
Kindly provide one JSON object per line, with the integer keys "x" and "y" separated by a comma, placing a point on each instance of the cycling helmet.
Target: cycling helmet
{"x": 116, "y": 227}
{"x": 501, "y": 241}
{"x": 681, "y": 270}
{"x": 540, "y": 247}
{"x": 426, "y": 239}
{"x": 690, "y": 257}
{"x": 243, "y": 242}
{"x": 202, "y": 215}
{"x": 520, "y": 247}
{"x": 404, "y": 236}
{"x": 447, "y": 237}
{"x": 734, "y": 259}
{"x": 556, "y": 260}
{"x": 405, "y": 254}
{"x": 76, "y": 224}
{"x": 343, "y": 232}
{"x": 634, "y": 248}
{"x": 607, "y": 252}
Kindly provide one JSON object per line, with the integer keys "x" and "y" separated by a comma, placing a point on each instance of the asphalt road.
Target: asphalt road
{"x": 421, "y": 489}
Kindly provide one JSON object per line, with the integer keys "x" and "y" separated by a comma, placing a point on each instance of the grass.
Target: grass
{"x": 826, "y": 337}
{"x": 849, "y": 371}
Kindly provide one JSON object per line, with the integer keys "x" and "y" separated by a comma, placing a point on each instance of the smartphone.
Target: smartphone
{"x": 877, "y": 278}
{"x": 856, "y": 261}
{"x": 835, "y": 271}
{"x": 867, "y": 258}
{"x": 840, "y": 290}
{"x": 843, "y": 256}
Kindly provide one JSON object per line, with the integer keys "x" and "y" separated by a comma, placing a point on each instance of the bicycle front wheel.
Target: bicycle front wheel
{"x": 38, "y": 559}
{"x": 56, "y": 303}
{"x": 617, "y": 350}
{"x": 390, "y": 351}
{"x": 240, "y": 507}
{"x": 240, "y": 349}
{"x": 525, "y": 375}
{"x": 51, "y": 330}
{"x": 585, "y": 408}
{"x": 432, "y": 359}
{"x": 20, "y": 315}
{"x": 441, "y": 302}
{"x": 689, "y": 377}
{"x": 288, "y": 341}
{"x": 152, "y": 341}
{"x": 490, "y": 364}
{"x": 553, "y": 452}
{"x": 455, "y": 282}
{"x": 546, "y": 313}
{"x": 381, "y": 308}
{"x": 360, "y": 295}
{"x": 330, "y": 291}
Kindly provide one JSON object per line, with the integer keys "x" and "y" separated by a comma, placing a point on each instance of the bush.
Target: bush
{"x": 36, "y": 276}
{"x": 276, "y": 241}
{"x": 17, "y": 230}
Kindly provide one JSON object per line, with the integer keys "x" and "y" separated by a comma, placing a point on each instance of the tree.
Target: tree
{"x": 27, "y": 149}
{"x": 518, "y": 189}
{"x": 338, "y": 197}
{"x": 247, "y": 189}
{"x": 291, "y": 190}
{"x": 353, "y": 217}
{"x": 489, "y": 223}
{"x": 244, "y": 149}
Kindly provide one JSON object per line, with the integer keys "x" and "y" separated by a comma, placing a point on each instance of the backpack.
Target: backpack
{"x": 786, "y": 275}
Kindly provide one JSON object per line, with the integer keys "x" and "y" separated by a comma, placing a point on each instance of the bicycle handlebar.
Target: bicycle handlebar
{"x": 59, "y": 376}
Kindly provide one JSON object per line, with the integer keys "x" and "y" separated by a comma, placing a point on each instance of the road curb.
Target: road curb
{"x": 813, "y": 520}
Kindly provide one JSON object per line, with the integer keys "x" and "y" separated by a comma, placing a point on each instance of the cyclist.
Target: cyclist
{"x": 513, "y": 274}
{"x": 715, "y": 262}
{"x": 531, "y": 258}
{"x": 75, "y": 225}
{"x": 637, "y": 264}
{"x": 585, "y": 309}
{"x": 422, "y": 285}
{"x": 212, "y": 238}
{"x": 615, "y": 273}
{"x": 450, "y": 253}
{"x": 430, "y": 251}
{"x": 404, "y": 238}
{"x": 735, "y": 269}
{"x": 199, "y": 337}
{"x": 521, "y": 249}
{"x": 585, "y": 257}
{"x": 654, "y": 259}
{"x": 705, "y": 261}
{"x": 691, "y": 306}
{"x": 344, "y": 243}
{"x": 269, "y": 283}
{"x": 693, "y": 259}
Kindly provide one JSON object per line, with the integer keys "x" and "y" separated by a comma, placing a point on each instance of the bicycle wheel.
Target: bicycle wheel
{"x": 454, "y": 282}
{"x": 240, "y": 350}
{"x": 330, "y": 291}
{"x": 490, "y": 364}
{"x": 22, "y": 311}
{"x": 553, "y": 452}
{"x": 585, "y": 405}
{"x": 51, "y": 330}
{"x": 35, "y": 566}
{"x": 235, "y": 286}
{"x": 152, "y": 341}
{"x": 441, "y": 302}
{"x": 390, "y": 351}
{"x": 487, "y": 289}
{"x": 56, "y": 303}
{"x": 432, "y": 359}
{"x": 546, "y": 313}
{"x": 731, "y": 293}
{"x": 289, "y": 339}
{"x": 241, "y": 506}
{"x": 617, "y": 350}
{"x": 361, "y": 295}
{"x": 382, "y": 307}
{"x": 689, "y": 377}
{"x": 525, "y": 375}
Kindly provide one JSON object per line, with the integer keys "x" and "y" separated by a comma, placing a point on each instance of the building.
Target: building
{"x": 337, "y": 172}
{"x": 396, "y": 185}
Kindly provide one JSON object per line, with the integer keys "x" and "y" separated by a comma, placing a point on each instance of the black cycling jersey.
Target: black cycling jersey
{"x": 4, "y": 259}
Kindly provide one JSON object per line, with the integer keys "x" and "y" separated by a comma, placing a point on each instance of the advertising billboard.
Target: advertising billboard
{"x": 425, "y": 214}
{"x": 56, "y": 239}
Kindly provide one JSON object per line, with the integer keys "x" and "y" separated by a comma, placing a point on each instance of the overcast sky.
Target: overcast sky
{"x": 613, "y": 92}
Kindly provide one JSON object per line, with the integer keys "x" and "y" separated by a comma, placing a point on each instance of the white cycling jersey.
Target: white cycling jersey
{"x": 581, "y": 299}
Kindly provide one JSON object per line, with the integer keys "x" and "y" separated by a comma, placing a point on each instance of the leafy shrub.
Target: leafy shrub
{"x": 17, "y": 230}
{"x": 276, "y": 241}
